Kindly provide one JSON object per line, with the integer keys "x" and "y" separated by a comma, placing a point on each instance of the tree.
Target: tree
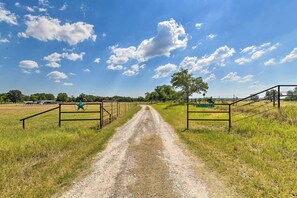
{"x": 292, "y": 95}
{"x": 63, "y": 97}
{"x": 15, "y": 96}
{"x": 187, "y": 83}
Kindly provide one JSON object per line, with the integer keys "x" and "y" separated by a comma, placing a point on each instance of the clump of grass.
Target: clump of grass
{"x": 43, "y": 159}
{"x": 258, "y": 156}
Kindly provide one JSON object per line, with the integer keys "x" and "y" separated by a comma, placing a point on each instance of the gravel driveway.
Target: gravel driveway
{"x": 145, "y": 159}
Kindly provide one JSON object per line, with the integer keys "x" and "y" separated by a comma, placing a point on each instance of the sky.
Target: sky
{"x": 128, "y": 47}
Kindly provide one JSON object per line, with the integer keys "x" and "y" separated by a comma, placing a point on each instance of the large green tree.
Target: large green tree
{"x": 63, "y": 97}
{"x": 187, "y": 83}
{"x": 14, "y": 96}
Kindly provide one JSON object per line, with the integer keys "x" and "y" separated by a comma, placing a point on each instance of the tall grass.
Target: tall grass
{"x": 43, "y": 159}
{"x": 258, "y": 156}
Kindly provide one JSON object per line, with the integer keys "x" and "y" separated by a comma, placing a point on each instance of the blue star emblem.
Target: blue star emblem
{"x": 80, "y": 105}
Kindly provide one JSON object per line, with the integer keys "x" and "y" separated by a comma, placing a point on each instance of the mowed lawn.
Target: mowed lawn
{"x": 258, "y": 156}
{"x": 43, "y": 159}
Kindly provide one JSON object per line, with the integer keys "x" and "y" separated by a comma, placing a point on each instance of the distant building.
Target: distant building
{"x": 46, "y": 102}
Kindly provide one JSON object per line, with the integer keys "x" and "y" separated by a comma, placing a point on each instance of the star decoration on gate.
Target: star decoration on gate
{"x": 80, "y": 105}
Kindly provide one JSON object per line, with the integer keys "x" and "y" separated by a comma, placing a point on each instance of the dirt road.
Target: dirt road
{"x": 145, "y": 159}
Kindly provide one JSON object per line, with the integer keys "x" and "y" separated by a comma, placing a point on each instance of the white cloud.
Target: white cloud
{"x": 55, "y": 57}
{"x": 28, "y": 64}
{"x": 67, "y": 84}
{"x": 270, "y": 62}
{"x": 86, "y": 70}
{"x": 56, "y": 75}
{"x": 104, "y": 35}
{"x": 117, "y": 67}
{"x": 198, "y": 25}
{"x": 97, "y": 60}
{"x": 42, "y": 9}
{"x": 211, "y": 36}
{"x": 255, "y": 52}
{"x": 53, "y": 65}
{"x": 133, "y": 71}
{"x": 26, "y": 71}
{"x": 73, "y": 56}
{"x": 37, "y": 71}
{"x": 170, "y": 36}
{"x": 242, "y": 61}
{"x": 29, "y": 9}
{"x": 45, "y": 28}
{"x": 211, "y": 77}
{"x": 72, "y": 74}
{"x": 6, "y": 16}
{"x": 4, "y": 40}
{"x": 17, "y": 4}
{"x": 290, "y": 57}
{"x": 193, "y": 64}
{"x": 233, "y": 76}
{"x": 64, "y": 7}
{"x": 164, "y": 70}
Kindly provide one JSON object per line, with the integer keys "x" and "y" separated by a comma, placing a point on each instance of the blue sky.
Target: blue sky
{"x": 127, "y": 47}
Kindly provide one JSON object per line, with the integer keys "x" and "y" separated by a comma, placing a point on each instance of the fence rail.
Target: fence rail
{"x": 111, "y": 112}
{"x": 276, "y": 98}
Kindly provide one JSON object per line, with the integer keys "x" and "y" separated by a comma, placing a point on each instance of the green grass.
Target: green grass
{"x": 44, "y": 159}
{"x": 258, "y": 156}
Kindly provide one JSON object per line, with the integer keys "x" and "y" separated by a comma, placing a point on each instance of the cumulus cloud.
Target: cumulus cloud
{"x": 164, "y": 70}
{"x": 86, "y": 70}
{"x": 242, "y": 61}
{"x": 132, "y": 71}
{"x": 257, "y": 85}
{"x": 56, "y": 75}
{"x": 117, "y": 67}
{"x": 6, "y": 16}
{"x": 194, "y": 64}
{"x": 97, "y": 60}
{"x": 233, "y": 76}
{"x": 270, "y": 62}
{"x": 54, "y": 58}
{"x": 170, "y": 36}
{"x": 198, "y": 26}
{"x": 254, "y": 52}
{"x": 64, "y": 7}
{"x": 211, "y": 36}
{"x": 28, "y": 64}
{"x": 290, "y": 57}
{"x": 67, "y": 84}
{"x": 45, "y": 28}
{"x": 211, "y": 77}
{"x": 29, "y": 9}
{"x": 4, "y": 40}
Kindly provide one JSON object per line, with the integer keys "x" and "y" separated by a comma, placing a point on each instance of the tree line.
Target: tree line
{"x": 15, "y": 96}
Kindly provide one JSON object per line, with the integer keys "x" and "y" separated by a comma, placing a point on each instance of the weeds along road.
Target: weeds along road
{"x": 143, "y": 159}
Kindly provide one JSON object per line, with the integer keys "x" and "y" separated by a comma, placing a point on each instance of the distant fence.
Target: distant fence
{"x": 236, "y": 108}
{"x": 105, "y": 112}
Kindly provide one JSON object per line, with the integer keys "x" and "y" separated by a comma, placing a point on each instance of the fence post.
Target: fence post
{"x": 187, "y": 111}
{"x": 278, "y": 96}
{"x": 230, "y": 121}
{"x": 101, "y": 115}
{"x": 274, "y": 96}
{"x": 60, "y": 115}
{"x": 23, "y": 124}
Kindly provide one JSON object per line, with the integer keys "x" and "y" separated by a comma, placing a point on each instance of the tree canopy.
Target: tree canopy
{"x": 187, "y": 83}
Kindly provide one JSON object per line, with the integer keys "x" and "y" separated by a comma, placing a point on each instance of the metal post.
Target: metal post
{"x": 230, "y": 122}
{"x": 59, "y": 115}
{"x": 101, "y": 115}
{"x": 23, "y": 124}
{"x": 278, "y": 96}
{"x": 111, "y": 110}
{"x": 187, "y": 111}
{"x": 274, "y": 96}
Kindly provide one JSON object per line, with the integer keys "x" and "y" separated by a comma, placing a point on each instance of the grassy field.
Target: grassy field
{"x": 43, "y": 159}
{"x": 258, "y": 156}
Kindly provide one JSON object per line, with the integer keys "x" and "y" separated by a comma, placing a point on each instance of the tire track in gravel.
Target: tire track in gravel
{"x": 143, "y": 159}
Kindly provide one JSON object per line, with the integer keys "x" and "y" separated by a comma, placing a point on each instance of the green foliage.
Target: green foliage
{"x": 15, "y": 96}
{"x": 63, "y": 97}
{"x": 187, "y": 83}
{"x": 292, "y": 95}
